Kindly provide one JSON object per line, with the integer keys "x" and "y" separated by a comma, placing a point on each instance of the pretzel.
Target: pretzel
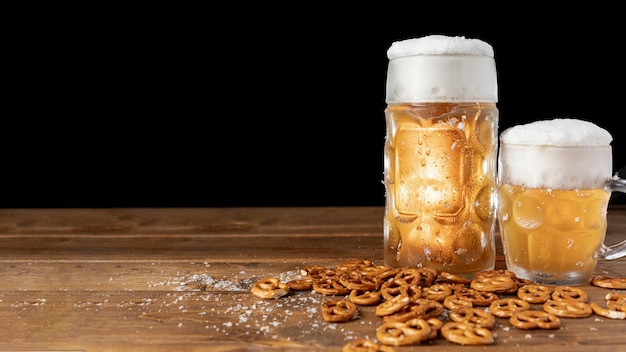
{"x": 466, "y": 334}
{"x": 365, "y": 297}
{"x": 496, "y": 284}
{"x": 476, "y": 316}
{"x": 616, "y": 301}
{"x": 429, "y": 275}
{"x": 478, "y": 298}
{"x": 506, "y": 307}
{"x": 365, "y": 345}
{"x": 567, "y": 309}
{"x": 457, "y": 279}
{"x": 270, "y": 288}
{"x": 561, "y": 293}
{"x": 300, "y": 284}
{"x": 353, "y": 264}
{"x": 397, "y": 333}
{"x": 410, "y": 276}
{"x": 535, "y": 319}
{"x": 435, "y": 324}
{"x": 421, "y": 308}
{"x": 394, "y": 287}
{"x": 609, "y": 282}
{"x": 330, "y": 287}
{"x": 338, "y": 310}
{"x": 607, "y": 313}
{"x": 357, "y": 281}
{"x": 534, "y": 293}
{"x": 454, "y": 302}
{"x": 379, "y": 273}
{"x": 436, "y": 292}
{"x": 393, "y": 305}
{"x": 312, "y": 270}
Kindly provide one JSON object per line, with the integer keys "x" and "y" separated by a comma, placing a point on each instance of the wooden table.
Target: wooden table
{"x": 165, "y": 279}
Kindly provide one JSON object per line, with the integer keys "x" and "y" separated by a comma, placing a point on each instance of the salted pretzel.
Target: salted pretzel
{"x": 478, "y": 298}
{"x": 561, "y": 293}
{"x": 338, "y": 310}
{"x": 476, "y": 316}
{"x": 567, "y": 308}
{"x": 609, "y": 282}
{"x": 496, "y": 284}
{"x": 365, "y": 345}
{"x": 421, "y": 308}
{"x": 607, "y": 313}
{"x": 534, "y": 293}
{"x": 495, "y": 272}
{"x": 393, "y": 305}
{"x": 435, "y": 324}
{"x": 429, "y": 275}
{"x": 394, "y": 287}
{"x": 397, "y": 333}
{"x": 270, "y": 288}
{"x": 303, "y": 284}
{"x": 353, "y": 264}
{"x": 312, "y": 270}
{"x": 454, "y": 302}
{"x": 357, "y": 281}
{"x": 457, "y": 279}
{"x": 365, "y": 297}
{"x": 466, "y": 334}
{"x": 410, "y": 276}
{"x": 418, "y": 324}
{"x": 506, "y": 307}
{"x": 436, "y": 292}
{"x": 330, "y": 287}
{"x": 616, "y": 301}
{"x": 535, "y": 319}
{"x": 379, "y": 273}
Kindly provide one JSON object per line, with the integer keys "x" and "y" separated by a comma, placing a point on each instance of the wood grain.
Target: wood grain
{"x": 164, "y": 279}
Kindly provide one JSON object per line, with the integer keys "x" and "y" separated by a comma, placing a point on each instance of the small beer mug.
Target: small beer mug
{"x": 440, "y": 154}
{"x": 554, "y": 184}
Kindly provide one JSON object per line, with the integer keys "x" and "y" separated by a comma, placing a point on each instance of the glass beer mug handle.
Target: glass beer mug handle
{"x": 617, "y": 250}
{"x": 616, "y": 184}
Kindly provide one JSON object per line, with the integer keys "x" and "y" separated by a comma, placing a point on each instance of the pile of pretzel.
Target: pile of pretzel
{"x": 412, "y": 302}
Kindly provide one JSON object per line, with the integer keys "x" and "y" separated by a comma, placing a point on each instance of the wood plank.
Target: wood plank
{"x": 180, "y": 279}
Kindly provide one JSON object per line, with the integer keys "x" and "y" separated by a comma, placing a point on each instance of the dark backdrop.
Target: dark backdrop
{"x": 196, "y": 107}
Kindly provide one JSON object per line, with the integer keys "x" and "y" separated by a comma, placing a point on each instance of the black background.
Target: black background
{"x": 261, "y": 107}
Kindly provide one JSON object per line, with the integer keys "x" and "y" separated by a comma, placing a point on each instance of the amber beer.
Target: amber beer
{"x": 440, "y": 154}
{"x": 554, "y": 185}
{"x": 440, "y": 204}
{"x": 552, "y": 235}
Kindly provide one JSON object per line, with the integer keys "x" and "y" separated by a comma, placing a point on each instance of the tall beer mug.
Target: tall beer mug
{"x": 555, "y": 181}
{"x": 440, "y": 154}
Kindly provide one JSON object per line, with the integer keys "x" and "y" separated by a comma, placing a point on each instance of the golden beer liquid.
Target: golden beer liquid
{"x": 440, "y": 186}
{"x": 551, "y": 236}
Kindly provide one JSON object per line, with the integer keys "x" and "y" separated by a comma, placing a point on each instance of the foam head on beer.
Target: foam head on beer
{"x": 562, "y": 153}
{"x": 440, "y": 68}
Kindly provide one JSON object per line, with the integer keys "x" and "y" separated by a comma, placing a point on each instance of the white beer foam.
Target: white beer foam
{"x": 439, "y": 68}
{"x": 439, "y": 45}
{"x": 564, "y": 132}
{"x": 556, "y": 154}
